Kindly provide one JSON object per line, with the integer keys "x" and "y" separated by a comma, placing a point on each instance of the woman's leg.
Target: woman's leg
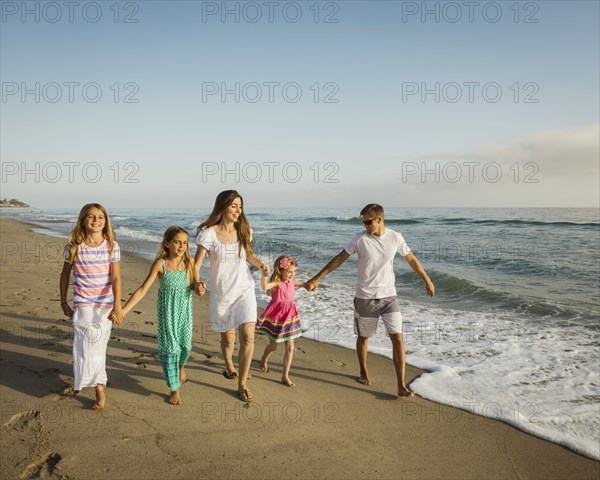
{"x": 227, "y": 343}
{"x": 245, "y": 357}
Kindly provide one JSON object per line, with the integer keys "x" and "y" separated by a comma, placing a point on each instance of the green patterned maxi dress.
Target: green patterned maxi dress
{"x": 174, "y": 313}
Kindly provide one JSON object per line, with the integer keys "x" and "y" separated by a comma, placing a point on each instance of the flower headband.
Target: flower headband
{"x": 285, "y": 263}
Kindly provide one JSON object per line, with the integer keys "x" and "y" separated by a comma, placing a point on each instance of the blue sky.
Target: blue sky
{"x": 528, "y": 136}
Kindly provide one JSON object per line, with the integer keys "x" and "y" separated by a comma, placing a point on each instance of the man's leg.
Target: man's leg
{"x": 361, "y": 351}
{"x": 399, "y": 358}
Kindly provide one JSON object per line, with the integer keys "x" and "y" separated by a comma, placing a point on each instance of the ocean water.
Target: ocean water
{"x": 513, "y": 330}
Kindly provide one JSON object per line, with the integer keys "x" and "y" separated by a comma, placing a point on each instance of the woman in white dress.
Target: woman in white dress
{"x": 226, "y": 237}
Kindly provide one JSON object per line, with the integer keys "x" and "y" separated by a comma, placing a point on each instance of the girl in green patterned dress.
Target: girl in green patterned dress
{"x": 174, "y": 267}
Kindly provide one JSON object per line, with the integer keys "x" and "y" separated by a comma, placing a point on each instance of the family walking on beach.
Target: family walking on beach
{"x": 93, "y": 255}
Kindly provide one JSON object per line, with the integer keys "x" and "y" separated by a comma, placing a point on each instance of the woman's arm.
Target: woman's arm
{"x": 255, "y": 262}
{"x": 199, "y": 287}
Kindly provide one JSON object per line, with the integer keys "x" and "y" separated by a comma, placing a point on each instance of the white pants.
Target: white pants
{"x": 91, "y": 328}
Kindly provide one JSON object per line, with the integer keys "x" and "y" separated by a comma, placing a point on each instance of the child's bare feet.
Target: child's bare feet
{"x": 364, "y": 379}
{"x": 405, "y": 392}
{"x": 264, "y": 367}
{"x": 174, "y": 398}
{"x": 182, "y": 375}
{"x": 286, "y": 381}
{"x": 100, "y": 398}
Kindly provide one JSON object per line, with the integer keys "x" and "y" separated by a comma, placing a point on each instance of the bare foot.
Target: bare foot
{"x": 174, "y": 398}
{"x": 286, "y": 381}
{"x": 406, "y": 392}
{"x": 100, "y": 398}
{"x": 263, "y": 365}
{"x": 364, "y": 379}
{"x": 182, "y": 374}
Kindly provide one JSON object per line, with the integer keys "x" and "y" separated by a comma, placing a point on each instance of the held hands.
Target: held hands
{"x": 200, "y": 288}
{"x": 264, "y": 268}
{"x": 116, "y": 316}
{"x": 311, "y": 285}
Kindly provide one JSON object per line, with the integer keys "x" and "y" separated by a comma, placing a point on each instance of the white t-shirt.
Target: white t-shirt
{"x": 376, "y": 277}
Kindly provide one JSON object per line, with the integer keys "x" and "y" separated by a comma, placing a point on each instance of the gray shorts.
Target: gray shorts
{"x": 368, "y": 311}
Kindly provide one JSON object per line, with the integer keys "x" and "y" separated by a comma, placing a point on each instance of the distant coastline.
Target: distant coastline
{"x": 13, "y": 203}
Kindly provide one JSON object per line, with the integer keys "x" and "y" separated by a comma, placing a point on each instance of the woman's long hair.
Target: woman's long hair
{"x": 168, "y": 236}
{"x": 78, "y": 234}
{"x": 222, "y": 203}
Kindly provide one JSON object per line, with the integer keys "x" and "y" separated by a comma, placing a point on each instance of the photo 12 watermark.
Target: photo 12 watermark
{"x": 70, "y": 12}
{"x": 68, "y": 172}
{"x": 52, "y": 251}
{"x": 474, "y": 252}
{"x": 49, "y": 333}
{"x": 270, "y": 92}
{"x": 271, "y": 12}
{"x": 269, "y": 412}
{"x": 469, "y": 172}
{"x": 469, "y": 92}
{"x": 16, "y": 413}
{"x": 454, "y": 332}
{"x": 470, "y": 12}
{"x": 69, "y": 92}
{"x": 453, "y": 412}
{"x": 269, "y": 172}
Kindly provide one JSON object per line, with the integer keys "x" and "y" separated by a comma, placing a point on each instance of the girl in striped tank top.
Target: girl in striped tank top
{"x": 175, "y": 269}
{"x": 93, "y": 256}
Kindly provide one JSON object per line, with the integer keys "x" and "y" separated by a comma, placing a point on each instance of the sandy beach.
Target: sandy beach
{"x": 329, "y": 426}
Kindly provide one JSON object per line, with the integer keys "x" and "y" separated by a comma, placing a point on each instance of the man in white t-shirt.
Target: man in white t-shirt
{"x": 375, "y": 295}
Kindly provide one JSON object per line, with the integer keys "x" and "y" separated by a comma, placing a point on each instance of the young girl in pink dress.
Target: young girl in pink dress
{"x": 280, "y": 320}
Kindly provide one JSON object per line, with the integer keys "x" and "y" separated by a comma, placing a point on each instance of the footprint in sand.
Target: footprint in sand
{"x": 141, "y": 355}
{"x": 149, "y": 323}
{"x": 142, "y": 364}
{"x": 42, "y": 467}
{"x": 25, "y": 419}
{"x": 148, "y": 336}
{"x": 341, "y": 364}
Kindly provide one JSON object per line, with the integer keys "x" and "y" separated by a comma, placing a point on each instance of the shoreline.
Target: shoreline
{"x": 329, "y": 412}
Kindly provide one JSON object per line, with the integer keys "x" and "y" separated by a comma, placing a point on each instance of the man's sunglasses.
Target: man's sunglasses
{"x": 369, "y": 222}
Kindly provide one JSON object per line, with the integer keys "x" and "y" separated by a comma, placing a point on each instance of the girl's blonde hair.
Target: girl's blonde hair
{"x": 163, "y": 253}
{"x": 277, "y": 267}
{"x": 222, "y": 203}
{"x": 78, "y": 234}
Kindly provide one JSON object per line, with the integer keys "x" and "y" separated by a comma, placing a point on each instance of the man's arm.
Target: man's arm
{"x": 418, "y": 268}
{"x": 333, "y": 264}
